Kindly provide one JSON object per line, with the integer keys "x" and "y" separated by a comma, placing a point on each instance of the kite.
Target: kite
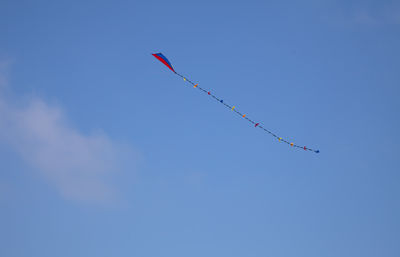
{"x": 165, "y": 61}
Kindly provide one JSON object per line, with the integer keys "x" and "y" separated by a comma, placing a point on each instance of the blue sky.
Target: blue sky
{"x": 104, "y": 152}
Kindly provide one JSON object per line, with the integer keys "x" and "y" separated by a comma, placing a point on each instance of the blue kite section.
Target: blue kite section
{"x": 164, "y": 58}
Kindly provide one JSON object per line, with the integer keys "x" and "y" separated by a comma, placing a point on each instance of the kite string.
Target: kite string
{"x": 243, "y": 115}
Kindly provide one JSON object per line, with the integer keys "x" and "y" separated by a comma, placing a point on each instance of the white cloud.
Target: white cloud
{"x": 79, "y": 166}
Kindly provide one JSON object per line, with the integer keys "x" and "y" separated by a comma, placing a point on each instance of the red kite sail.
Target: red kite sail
{"x": 164, "y": 60}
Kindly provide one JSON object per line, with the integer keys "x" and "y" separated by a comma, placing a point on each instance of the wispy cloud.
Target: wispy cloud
{"x": 365, "y": 17}
{"x": 364, "y": 13}
{"x": 79, "y": 166}
{"x": 3, "y": 73}
{"x": 384, "y": 16}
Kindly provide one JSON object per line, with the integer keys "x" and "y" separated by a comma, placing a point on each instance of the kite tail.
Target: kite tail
{"x": 232, "y": 108}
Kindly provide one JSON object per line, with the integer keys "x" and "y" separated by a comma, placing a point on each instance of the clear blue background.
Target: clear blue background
{"x": 322, "y": 73}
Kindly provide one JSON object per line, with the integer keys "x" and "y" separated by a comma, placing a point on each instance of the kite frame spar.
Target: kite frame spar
{"x": 165, "y": 61}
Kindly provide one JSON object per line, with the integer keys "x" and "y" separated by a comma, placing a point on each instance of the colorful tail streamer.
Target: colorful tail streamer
{"x": 165, "y": 61}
